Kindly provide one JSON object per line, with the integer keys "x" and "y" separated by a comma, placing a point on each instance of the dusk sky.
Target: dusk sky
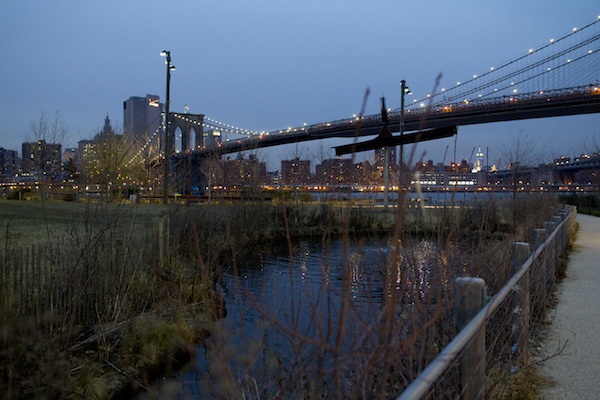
{"x": 266, "y": 65}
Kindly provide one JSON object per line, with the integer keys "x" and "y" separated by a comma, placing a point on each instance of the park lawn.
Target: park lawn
{"x": 27, "y": 222}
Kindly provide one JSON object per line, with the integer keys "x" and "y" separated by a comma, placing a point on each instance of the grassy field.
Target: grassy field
{"x": 86, "y": 296}
{"x": 35, "y": 221}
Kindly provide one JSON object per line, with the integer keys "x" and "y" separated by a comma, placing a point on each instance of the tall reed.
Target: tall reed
{"x": 325, "y": 343}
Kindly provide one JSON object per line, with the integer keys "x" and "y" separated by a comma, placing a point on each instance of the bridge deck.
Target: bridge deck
{"x": 582, "y": 100}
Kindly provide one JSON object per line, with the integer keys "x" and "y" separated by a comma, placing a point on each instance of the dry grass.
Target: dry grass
{"x": 40, "y": 221}
{"x": 522, "y": 385}
{"x": 349, "y": 354}
{"x": 112, "y": 316}
{"x": 148, "y": 324}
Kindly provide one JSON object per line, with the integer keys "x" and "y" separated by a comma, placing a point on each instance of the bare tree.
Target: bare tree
{"x": 319, "y": 156}
{"x": 256, "y": 174}
{"x": 520, "y": 154}
{"x": 144, "y": 164}
{"x": 212, "y": 169}
{"x": 105, "y": 164}
{"x": 54, "y": 131}
{"x": 44, "y": 145}
{"x": 591, "y": 148}
{"x": 296, "y": 151}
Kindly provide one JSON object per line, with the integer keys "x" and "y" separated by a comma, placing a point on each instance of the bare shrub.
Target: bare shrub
{"x": 328, "y": 343}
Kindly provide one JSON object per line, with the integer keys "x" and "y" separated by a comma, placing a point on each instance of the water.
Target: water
{"x": 282, "y": 306}
{"x": 427, "y": 197}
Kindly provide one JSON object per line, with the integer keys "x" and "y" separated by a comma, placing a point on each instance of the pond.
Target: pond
{"x": 285, "y": 312}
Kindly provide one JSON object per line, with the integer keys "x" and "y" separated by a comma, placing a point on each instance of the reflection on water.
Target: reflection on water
{"x": 290, "y": 308}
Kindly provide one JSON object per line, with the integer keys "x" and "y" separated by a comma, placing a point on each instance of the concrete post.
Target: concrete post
{"x": 469, "y": 301}
{"x": 520, "y": 312}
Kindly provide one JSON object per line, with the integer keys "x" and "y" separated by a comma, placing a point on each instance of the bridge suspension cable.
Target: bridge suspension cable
{"x": 144, "y": 147}
{"x": 539, "y": 69}
{"x": 222, "y": 126}
{"x": 546, "y": 81}
{"x": 149, "y": 140}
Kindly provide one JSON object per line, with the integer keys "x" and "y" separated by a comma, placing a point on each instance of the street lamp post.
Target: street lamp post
{"x": 167, "y": 54}
{"x": 386, "y": 166}
{"x": 404, "y": 90}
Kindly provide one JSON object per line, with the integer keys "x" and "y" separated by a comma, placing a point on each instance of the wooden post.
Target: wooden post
{"x": 469, "y": 300}
{"x": 550, "y": 264}
{"x": 539, "y": 278}
{"x": 520, "y": 312}
{"x": 559, "y": 236}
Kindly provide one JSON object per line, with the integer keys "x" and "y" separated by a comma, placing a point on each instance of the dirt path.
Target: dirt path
{"x": 576, "y": 321}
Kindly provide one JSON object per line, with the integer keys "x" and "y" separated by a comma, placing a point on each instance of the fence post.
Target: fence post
{"x": 539, "y": 277}
{"x": 559, "y": 236}
{"x": 520, "y": 312}
{"x": 550, "y": 264}
{"x": 469, "y": 300}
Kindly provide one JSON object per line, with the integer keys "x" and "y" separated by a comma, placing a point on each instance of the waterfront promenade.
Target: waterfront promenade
{"x": 575, "y": 322}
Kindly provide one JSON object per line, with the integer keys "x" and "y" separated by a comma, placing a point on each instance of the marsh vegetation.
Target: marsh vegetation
{"x": 105, "y": 298}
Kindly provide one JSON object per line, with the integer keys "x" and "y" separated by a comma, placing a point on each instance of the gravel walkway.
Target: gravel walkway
{"x": 576, "y": 321}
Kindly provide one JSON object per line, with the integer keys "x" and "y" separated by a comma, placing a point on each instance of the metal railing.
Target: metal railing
{"x": 507, "y": 314}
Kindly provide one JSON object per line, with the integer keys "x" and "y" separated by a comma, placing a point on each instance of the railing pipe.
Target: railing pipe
{"x": 418, "y": 388}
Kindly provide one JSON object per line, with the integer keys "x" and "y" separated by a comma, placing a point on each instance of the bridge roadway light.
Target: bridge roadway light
{"x": 170, "y": 67}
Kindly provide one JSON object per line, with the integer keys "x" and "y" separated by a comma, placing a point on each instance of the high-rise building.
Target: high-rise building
{"x": 41, "y": 157}
{"x": 85, "y": 148}
{"x": 70, "y": 155}
{"x": 295, "y": 172}
{"x": 334, "y": 171}
{"x": 211, "y": 137}
{"x": 241, "y": 171}
{"x": 9, "y": 162}
{"x": 107, "y": 130}
{"x": 141, "y": 116}
{"x": 478, "y": 161}
{"x": 380, "y": 156}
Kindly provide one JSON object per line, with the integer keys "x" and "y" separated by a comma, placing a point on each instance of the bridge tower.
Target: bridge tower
{"x": 186, "y": 123}
{"x": 187, "y": 170}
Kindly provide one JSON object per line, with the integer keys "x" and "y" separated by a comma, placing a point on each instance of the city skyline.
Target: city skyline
{"x": 302, "y": 152}
{"x": 277, "y": 66}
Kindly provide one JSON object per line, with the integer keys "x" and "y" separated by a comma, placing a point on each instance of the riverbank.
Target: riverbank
{"x": 125, "y": 291}
{"x": 104, "y": 298}
{"x": 89, "y": 305}
{"x": 290, "y": 340}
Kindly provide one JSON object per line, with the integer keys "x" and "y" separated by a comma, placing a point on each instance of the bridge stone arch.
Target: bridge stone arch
{"x": 177, "y": 138}
{"x": 187, "y": 123}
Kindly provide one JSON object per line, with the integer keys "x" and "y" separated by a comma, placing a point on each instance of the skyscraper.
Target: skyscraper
{"x": 380, "y": 156}
{"x": 294, "y": 172}
{"x": 141, "y": 116}
{"x": 41, "y": 157}
{"x": 478, "y": 161}
{"x": 9, "y": 162}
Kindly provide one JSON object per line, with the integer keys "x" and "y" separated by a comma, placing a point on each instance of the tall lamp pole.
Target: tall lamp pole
{"x": 167, "y": 54}
{"x": 404, "y": 90}
{"x": 386, "y": 172}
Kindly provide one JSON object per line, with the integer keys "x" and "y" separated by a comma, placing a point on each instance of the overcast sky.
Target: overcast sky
{"x": 267, "y": 65}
